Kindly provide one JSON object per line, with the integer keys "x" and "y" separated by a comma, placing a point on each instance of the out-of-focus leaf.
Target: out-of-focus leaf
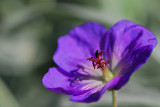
{"x": 156, "y": 52}
{"x": 89, "y": 13}
{"x": 6, "y": 97}
{"x": 130, "y": 9}
{"x": 20, "y": 48}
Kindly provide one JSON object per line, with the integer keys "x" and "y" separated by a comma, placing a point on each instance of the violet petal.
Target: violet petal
{"x": 57, "y": 80}
{"x": 80, "y": 44}
{"x": 95, "y": 94}
{"x": 128, "y": 46}
{"x": 125, "y": 37}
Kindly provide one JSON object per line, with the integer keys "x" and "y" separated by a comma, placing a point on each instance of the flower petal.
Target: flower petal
{"x": 60, "y": 81}
{"x": 57, "y": 80}
{"x": 128, "y": 46}
{"x": 88, "y": 97}
{"x": 96, "y": 93}
{"x": 125, "y": 37}
{"x": 132, "y": 62}
{"x": 110, "y": 85}
{"x": 80, "y": 44}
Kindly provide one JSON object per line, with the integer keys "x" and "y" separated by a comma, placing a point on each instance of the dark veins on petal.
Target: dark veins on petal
{"x": 132, "y": 62}
{"x": 133, "y": 45}
{"x": 81, "y": 41}
{"x": 76, "y": 77}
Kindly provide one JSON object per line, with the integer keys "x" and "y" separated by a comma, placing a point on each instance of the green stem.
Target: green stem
{"x": 114, "y": 100}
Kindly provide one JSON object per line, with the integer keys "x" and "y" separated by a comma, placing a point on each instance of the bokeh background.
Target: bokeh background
{"x": 28, "y": 39}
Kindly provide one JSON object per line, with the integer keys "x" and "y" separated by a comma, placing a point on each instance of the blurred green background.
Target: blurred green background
{"x": 28, "y": 38}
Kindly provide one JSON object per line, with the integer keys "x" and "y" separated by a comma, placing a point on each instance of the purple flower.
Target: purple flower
{"x": 93, "y": 60}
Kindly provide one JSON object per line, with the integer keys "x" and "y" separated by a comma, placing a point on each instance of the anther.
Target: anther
{"x": 96, "y": 54}
{"x": 99, "y": 61}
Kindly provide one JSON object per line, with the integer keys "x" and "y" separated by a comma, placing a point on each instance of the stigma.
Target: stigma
{"x": 100, "y": 62}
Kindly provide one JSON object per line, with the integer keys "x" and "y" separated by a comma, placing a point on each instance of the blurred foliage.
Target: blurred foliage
{"x": 28, "y": 38}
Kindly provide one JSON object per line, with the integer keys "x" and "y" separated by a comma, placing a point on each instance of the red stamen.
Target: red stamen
{"x": 99, "y": 61}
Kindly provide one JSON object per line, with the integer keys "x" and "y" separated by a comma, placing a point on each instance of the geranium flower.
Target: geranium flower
{"x": 92, "y": 60}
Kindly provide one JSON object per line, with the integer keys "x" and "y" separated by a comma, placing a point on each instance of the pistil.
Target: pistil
{"x": 101, "y": 64}
{"x": 108, "y": 75}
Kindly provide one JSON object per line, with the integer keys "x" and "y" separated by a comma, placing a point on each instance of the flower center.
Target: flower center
{"x": 99, "y": 62}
